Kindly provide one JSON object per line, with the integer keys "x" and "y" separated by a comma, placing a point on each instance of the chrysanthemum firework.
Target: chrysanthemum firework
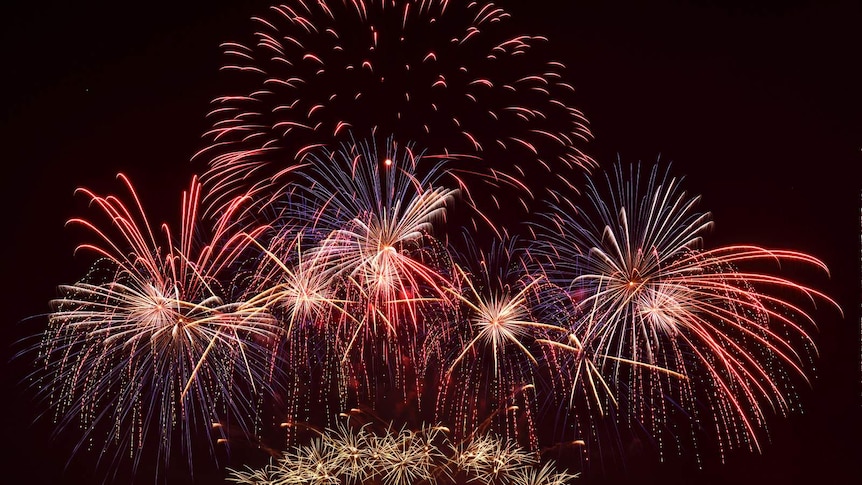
{"x": 354, "y": 269}
{"x": 391, "y": 456}
{"x": 148, "y": 350}
{"x": 453, "y": 77}
{"x": 490, "y": 374}
{"x": 672, "y": 324}
{"x": 376, "y": 208}
{"x": 311, "y": 308}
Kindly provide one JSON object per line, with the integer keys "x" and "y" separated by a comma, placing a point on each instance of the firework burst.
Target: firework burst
{"x": 311, "y": 309}
{"x": 376, "y": 212}
{"x": 327, "y": 280}
{"x": 492, "y": 371}
{"x": 666, "y": 320}
{"x": 390, "y": 456}
{"x": 449, "y": 76}
{"x": 148, "y": 348}
{"x": 356, "y": 274}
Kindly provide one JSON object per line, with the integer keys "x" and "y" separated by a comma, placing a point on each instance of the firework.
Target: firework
{"x": 376, "y": 211}
{"x": 492, "y": 371}
{"x": 351, "y": 455}
{"x": 450, "y": 76}
{"x": 351, "y": 452}
{"x": 327, "y": 279}
{"x": 666, "y": 320}
{"x": 490, "y": 459}
{"x": 148, "y": 349}
{"x": 547, "y": 475}
{"x": 295, "y": 285}
{"x": 355, "y": 273}
{"x": 310, "y": 308}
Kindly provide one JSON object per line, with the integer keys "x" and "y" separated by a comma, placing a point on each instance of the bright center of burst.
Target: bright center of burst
{"x": 176, "y": 329}
{"x": 387, "y": 162}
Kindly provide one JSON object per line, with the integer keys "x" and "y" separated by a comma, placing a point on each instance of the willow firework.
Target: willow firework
{"x": 360, "y": 277}
{"x": 148, "y": 349}
{"x": 490, "y": 381}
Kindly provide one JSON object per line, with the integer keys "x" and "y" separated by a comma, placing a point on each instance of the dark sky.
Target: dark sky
{"x": 758, "y": 106}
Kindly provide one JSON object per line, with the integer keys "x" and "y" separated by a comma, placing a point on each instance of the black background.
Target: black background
{"x": 757, "y": 105}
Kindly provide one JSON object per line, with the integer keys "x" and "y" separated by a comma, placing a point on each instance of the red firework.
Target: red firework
{"x": 450, "y": 77}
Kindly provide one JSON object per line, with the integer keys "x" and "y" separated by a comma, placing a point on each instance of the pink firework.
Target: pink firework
{"x": 670, "y": 325}
{"x": 354, "y": 271}
{"x": 450, "y": 76}
{"x": 496, "y": 371}
{"x": 148, "y": 349}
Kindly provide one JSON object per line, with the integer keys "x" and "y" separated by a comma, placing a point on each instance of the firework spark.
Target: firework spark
{"x": 377, "y": 219}
{"x": 290, "y": 281}
{"x": 328, "y": 280}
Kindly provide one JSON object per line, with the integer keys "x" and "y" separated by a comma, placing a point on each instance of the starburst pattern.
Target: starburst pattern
{"x": 547, "y": 475}
{"x": 320, "y": 274}
{"x": 149, "y": 343}
{"x": 451, "y": 76}
{"x": 667, "y": 317}
{"x": 493, "y": 365}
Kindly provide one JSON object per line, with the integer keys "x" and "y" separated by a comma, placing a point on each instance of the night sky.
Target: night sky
{"x": 757, "y": 106}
